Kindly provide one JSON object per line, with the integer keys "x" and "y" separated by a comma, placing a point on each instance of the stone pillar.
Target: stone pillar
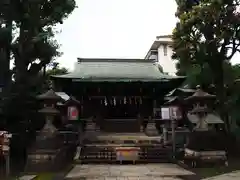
{"x": 165, "y": 134}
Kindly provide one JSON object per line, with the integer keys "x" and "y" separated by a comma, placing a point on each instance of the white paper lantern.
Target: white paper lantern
{"x": 105, "y": 102}
{"x": 125, "y": 100}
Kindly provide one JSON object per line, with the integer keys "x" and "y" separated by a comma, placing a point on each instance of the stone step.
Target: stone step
{"x": 108, "y": 154}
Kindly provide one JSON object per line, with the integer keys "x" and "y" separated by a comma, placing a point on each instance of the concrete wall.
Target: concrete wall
{"x": 162, "y": 45}
{"x": 165, "y": 59}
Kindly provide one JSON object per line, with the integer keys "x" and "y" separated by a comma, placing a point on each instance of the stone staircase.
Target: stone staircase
{"x": 104, "y": 151}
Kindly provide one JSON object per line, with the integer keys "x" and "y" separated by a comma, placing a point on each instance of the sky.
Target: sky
{"x": 114, "y": 29}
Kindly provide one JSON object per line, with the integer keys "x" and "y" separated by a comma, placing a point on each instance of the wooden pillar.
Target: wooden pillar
{"x": 173, "y": 122}
{"x": 7, "y": 160}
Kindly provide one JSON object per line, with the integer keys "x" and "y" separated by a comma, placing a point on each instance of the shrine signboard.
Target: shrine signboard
{"x": 4, "y": 142}
{"x": 73, "y": 113}
{"x": 165, "y": 113}
{"x": 172, "y": 112}
{"x": 5, "y": 148}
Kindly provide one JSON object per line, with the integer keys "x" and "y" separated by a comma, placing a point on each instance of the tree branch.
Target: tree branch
{"x": 36, "y": 67}
{"x": 235, "y": 48}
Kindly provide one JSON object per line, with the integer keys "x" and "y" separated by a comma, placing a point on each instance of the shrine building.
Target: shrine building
{"x": 130, "y": 91}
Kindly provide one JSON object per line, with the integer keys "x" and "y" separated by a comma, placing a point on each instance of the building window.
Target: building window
{"x": 165, "y": 50}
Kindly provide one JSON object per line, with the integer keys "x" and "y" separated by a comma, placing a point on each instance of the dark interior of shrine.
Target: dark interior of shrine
{"x": 117, "y": 100}
{"x": 116, "y": 104}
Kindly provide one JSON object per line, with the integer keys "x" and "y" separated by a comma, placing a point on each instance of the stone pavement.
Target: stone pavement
{"x": 28, "y": 177}
{"x": 163, "y": 171}
{"x": 228, "y": 176}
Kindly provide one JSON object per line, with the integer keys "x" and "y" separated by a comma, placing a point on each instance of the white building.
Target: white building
{"x": 161, "y": 51}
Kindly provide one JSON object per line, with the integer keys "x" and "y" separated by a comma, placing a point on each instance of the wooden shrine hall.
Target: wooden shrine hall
{"x": 120, "y": 95}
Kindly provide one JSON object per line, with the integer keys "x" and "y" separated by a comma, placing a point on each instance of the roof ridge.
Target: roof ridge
{"x": 115, "y": 60}
{"x": 164, "y": 36}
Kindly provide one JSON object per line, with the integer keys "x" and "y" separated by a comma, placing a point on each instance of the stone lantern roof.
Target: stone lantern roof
{"x": 200, "y": 109}
{"x": 49, "y": 95}
{"x": 200, "y": 95}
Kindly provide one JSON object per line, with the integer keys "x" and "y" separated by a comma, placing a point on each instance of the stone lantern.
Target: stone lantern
{"x": 50, "y": 99}
{"x": 199, "y": 101}
{"x": 203, "y": 144}
{"x": 49, "y": 146}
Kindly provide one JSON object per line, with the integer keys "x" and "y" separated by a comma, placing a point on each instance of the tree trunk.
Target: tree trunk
{"x": 221, "y": 91}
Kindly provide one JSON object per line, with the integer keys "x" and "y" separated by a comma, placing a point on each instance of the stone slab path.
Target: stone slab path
{"x": 228, "y": 176}
{"x": 127, "y": 172}
{"x": 28, "y": 177}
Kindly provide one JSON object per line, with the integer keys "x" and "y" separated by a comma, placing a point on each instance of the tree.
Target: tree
{"x": 5, "y": 42}
{"x": 34, "y": 45}
{"x": 207, "y": 36}
{"x": 56, "y": 70}
{"x": 31, "y": 23}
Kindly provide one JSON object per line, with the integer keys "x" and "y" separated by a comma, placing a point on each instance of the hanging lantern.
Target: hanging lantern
{"x": 105, "y": 102}
{"x": 125, "y": 100}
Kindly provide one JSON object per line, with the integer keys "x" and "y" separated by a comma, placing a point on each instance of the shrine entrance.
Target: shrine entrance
{"x": 119, "y": 113}
{"x": 120, "y": 125}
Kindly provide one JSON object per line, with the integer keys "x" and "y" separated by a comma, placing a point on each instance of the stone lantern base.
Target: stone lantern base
{"x": 151, "y": 129}
{"x": 45, "y": 160}
{"x": 49, "y": 153}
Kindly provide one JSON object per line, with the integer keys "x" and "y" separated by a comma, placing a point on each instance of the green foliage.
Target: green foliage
{"x": 56, "y": 70}
{"x": 206, "y": 36}
{"x": 34, "y": 45}
{"x": 27, "y": 29}
{"x": 204, "y": 40}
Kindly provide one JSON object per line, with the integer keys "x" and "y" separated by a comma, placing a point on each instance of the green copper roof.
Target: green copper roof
{"x": 116, "y": 70}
